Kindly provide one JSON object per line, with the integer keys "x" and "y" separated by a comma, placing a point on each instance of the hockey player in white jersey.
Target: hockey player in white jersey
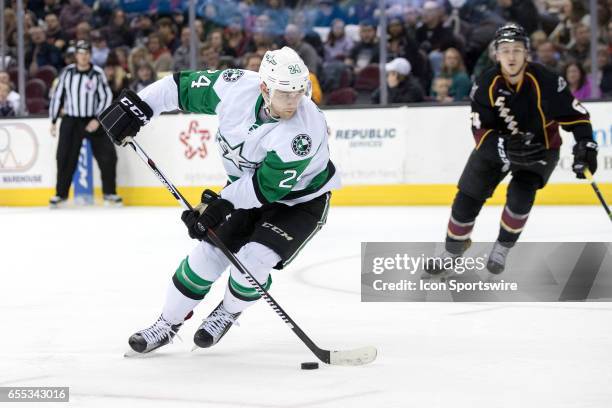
{"x": 273, "y": 142}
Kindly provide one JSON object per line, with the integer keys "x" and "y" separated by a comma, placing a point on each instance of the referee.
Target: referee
{"x": 83, "y": 92}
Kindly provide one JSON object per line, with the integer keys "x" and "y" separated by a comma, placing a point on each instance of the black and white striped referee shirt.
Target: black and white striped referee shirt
{"x": 82, "y": 94}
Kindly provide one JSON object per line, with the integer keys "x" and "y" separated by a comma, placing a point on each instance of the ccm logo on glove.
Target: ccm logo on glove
{"x": 136, "y": 111}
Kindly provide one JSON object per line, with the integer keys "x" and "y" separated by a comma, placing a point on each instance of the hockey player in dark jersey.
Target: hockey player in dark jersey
{"x": 517, "y": 108}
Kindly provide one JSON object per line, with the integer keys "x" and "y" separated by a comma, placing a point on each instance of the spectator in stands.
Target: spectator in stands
{"x": 41, "y": 53}
{"x": 6, "y": 108}
{"x": 162, "y": 59}
{"x": 573, "y": 12}
{"x": 546, "y": 54}
{"x": 441, "y": 90}
{"x": 122, "y": 54}
{"x": 10, "y": 26}
{"x": 13, "y": 97}
{"x": 235, "y": 40}
{"x": 453, "y": 68}
{"x": 604, "y": 62}
{"x": 52, "y": 7}
{"x": 72, "y": 14}
{"x": 260, "y": 41}
{"x": 338, "y": 45}
{"x": 523, "y": 12}
{"x": 252, "y": 62}
{"x": 293, "y": 38}
{"x": 136, "y": 57}
{"x": 178, "y": 18}
{"x": 215, "y": 39}
{"x": 82, "y": 32}
{"x": 432, "y": 36}
{"x": 145, "y": 76}
{"x": 181, "y": 55}
{"x": 167, "y": 33}
{"x": 402, "y": 45}
{"x": 397, "y": 38}
{"x": 361, "y": 10}
{"x": 210, "y": 20}
{"x": 278, "y": 14}
{"x": 55, "y": 35}
{"x": 118, "y": 32}
{"x": 366, "y": 51}
{"x": 537, "y": 38}
{"x": 401, "y": 86}
{"x": 578, "y": 81}
{"x": 209, "y": 58}
{"x": 115, "y": 75}
{"x": 326, "y": 12}
{"x": 99, "y": 49}
{"x": 142, "y": 27}
{"x": 411, "y": 21}
{"x": 487, "y": 60}
{"x": 579, "y": 51}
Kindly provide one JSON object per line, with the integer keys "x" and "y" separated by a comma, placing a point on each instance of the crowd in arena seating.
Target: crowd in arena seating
{"x": 434, "y": 50}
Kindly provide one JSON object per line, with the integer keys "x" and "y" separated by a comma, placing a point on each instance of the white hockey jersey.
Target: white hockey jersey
{"x": 283, "y": 161}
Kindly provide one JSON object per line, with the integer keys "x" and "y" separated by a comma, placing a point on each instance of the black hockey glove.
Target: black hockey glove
{"x": 125, "y": 116}
{"x": 585, "y": 155}
{"x": 521, "y": 150}
{"x": 212, "y": 211}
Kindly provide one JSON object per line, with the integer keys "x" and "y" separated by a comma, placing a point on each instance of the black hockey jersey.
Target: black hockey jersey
{"x": 539, "y": 104}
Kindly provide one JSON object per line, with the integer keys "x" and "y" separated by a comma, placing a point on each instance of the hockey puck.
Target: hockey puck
{"x": 310, "y": 366}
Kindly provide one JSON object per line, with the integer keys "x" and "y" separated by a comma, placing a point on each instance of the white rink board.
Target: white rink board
{"x": 400, "y": 145}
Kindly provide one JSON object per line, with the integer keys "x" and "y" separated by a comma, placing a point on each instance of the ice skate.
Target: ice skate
{"x": 159, "y": 334}
{"x": 453, "y": 250}
{"x": 497, "y": 258}
{"x": 214, "y": 327}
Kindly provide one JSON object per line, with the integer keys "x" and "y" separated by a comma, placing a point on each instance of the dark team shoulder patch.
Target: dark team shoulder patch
{"x": 301, "y": 145}
{"x": 232, "y": 75}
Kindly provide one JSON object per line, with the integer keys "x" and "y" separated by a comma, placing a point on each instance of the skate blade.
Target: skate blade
{"x": 195, "y": 347}
{"x": 134, "y": 354}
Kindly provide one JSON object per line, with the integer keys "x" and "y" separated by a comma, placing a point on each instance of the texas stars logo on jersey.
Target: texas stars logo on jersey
{"x": 301, "y": 145}
{"x": 234, "y": 154}
{"x": 232, "y": 75}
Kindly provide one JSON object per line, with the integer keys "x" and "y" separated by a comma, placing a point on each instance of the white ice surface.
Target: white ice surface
{"x": 75, "y": 283}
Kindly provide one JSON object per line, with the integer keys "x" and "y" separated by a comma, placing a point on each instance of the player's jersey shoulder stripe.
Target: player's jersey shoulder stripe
{"x": 492, "y": 89}
{"x": 539, "y": 104}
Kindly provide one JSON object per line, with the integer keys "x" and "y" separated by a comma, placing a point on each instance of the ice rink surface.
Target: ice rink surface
{"x": 76, "y": 283}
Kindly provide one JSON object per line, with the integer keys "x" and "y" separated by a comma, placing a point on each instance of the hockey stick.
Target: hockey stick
{"x": 353, "y": 357}
{"x": 589, "y": 176}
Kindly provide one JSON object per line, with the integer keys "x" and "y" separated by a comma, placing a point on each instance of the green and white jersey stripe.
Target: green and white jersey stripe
{"x": 273, "y": 161}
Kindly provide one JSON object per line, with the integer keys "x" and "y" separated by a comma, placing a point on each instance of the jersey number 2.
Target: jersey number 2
{"x": 283, "y": 183}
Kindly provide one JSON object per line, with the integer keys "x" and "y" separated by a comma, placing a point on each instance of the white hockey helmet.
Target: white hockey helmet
{"x": 284, "y": 70}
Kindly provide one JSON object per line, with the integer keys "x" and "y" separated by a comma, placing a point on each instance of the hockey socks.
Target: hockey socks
{"x": 184, "y": 293}
{"x": 259, "y": 260}
{"x": 238, "y": 297}
{"x": 511, "y": 226}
